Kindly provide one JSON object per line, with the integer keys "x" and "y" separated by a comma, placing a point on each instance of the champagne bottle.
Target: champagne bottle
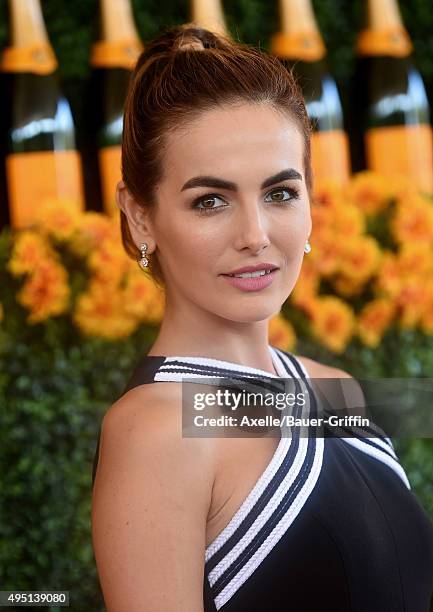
{"x": 112, "y": 58}
{"x": 209, "y": 14}
{"x": 41, "y": 159}
{"x": 300, "y": 47}
{"x": 391, "y": 131}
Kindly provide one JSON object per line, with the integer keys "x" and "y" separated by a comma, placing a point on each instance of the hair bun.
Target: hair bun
{"x": 190, "y": 36}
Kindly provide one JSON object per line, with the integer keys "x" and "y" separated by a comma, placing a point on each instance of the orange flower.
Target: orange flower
{"x": 413, "y": 220}
{"x": 348, "y": 287}
{"x": 388, "y": 279}
{"x": 325, "y": 253}
{"x": 360, "y": 257}
{"x": 415, "y": 259}
{"x": 109, "y": 261}
{"x": 2, "y": 312}
{"x": 45, "y": 292}
{"x": 333, "y": 323}
{"x": 59, "y": 217}
{"x": 412, "y": 300}
{"x": 327, "y": 193}
{"x": 369, "y": 191}
{"x": 348, "y": 221}
{"x": 142, "y": 299}
{"x": 100, "y": 312}
{"x": 29, "y": 251}
{"x": 374, "y": 319}
{"x": 92, "y": 229}
{"x": 307, "y": 284}
{"x": 281, "y": 333}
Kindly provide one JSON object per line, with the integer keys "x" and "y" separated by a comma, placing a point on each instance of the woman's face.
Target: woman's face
{"x": 233, "y": 195}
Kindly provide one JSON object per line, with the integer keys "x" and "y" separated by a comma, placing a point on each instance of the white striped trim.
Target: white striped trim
{"x": 381, "y": 456}
{"x": 277, "y": 533}
{"x": 261, "y": 484}
{"x": 265, "y": 514}
{"x": 210, "y": 362}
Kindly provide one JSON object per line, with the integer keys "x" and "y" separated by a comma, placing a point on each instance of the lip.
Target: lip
{"x": 256, "y": 268}
{"x": 251, "y": 284}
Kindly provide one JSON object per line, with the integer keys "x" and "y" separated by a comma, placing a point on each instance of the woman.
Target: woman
{"x": 216, "y": 184}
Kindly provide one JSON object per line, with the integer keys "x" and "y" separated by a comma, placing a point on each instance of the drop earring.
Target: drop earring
{"x": 143, "y": 262}
{"x": 307, "y": 247}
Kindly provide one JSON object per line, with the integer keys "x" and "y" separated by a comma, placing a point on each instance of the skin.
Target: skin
{"x": 205, "y": 315}
{"x": 161, "y": 498}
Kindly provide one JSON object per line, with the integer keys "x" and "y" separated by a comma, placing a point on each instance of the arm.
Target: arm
{"x": 150, "y": 502}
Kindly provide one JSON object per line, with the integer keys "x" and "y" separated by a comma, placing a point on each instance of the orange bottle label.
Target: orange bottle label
{"x": 109, "y": 164}
{"x": 119, "y": 54}
{"x": 330, "y": 156}
{"x": 33, "y": 177}
{"x": 306, "y": 46}
{"x": 402, "y": 150}
{"x": 393, "y": 41}
{"x": 38, "y": 58}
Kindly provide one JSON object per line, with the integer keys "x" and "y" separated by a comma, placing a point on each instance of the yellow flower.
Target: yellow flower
{"x": 45, "y": 292}
{"x": 413, "y": 220}
{"x": 346, "y": 286}
{"x": 29, "y": 251}
{"x": 281, "y": 333}
{"x": 59, "y": 217}
{"x": 369, "y": 191}
{"x": 332, "y": 322}
{"x": 374, "y": 319}
{"x": 412, "y": 300}
{"x": 100, "y": 312}
{"x": 348, "y": 221}
{"x": 307, "y": 284}
{"x": 415, "y": 259}
{"x": 388, "y": 280}
{"x": 142, "y": 299}
{"x": 109, "y": 261}
{"x": 325, "y": 253}
{"x": 360, "y": 257}
{"x": 92, "y": 229}
{"x": 327, "y": 193}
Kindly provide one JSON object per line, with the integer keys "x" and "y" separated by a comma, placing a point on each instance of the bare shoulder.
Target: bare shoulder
{"x": 150, "y": 503}
{"x": 321, "y": 370}
{"x": 348, "y": 395}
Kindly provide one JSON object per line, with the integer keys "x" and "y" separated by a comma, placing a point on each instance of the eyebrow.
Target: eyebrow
{"x": 213, "y": 181}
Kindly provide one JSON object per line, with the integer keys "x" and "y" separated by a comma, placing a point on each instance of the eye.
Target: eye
{"x": 204, "y": 204}
{"x": 293, "y": 194}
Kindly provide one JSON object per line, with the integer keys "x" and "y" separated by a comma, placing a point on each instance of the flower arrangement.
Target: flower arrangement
{"x": 371, "y": 268}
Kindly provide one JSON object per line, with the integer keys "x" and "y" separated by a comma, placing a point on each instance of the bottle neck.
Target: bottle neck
{"x": 384, "y": 33}
{"x": 119, "y": 45}
{"x": 208, "y": 14}
{"x": 299, "y": 37}
{"x": 29, "y": 49}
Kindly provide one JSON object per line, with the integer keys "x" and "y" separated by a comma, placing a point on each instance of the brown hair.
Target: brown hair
{"x": 185, "y": 71}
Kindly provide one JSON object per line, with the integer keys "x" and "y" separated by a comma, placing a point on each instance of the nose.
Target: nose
{"x": 252, "y": 230}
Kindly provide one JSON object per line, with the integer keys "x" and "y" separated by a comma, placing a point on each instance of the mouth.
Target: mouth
{"x": 252, "y": 281}
{"x": 255, "y": 274}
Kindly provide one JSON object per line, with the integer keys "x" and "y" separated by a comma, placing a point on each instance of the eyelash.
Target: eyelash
{"x": 294, "y": 193}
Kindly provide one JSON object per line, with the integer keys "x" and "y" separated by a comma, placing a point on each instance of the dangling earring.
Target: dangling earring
{"x": 143, "y": 262}
{"x": 307, "y": 247}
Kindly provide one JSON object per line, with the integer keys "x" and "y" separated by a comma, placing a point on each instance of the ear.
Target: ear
{"x": 138, "y": 218}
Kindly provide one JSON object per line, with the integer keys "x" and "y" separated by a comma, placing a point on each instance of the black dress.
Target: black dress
{"x": 330, "y": 525}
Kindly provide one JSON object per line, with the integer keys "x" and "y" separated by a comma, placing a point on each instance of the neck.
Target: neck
{"x": 27, "y": 23}
{"x": 191, "y": 331}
